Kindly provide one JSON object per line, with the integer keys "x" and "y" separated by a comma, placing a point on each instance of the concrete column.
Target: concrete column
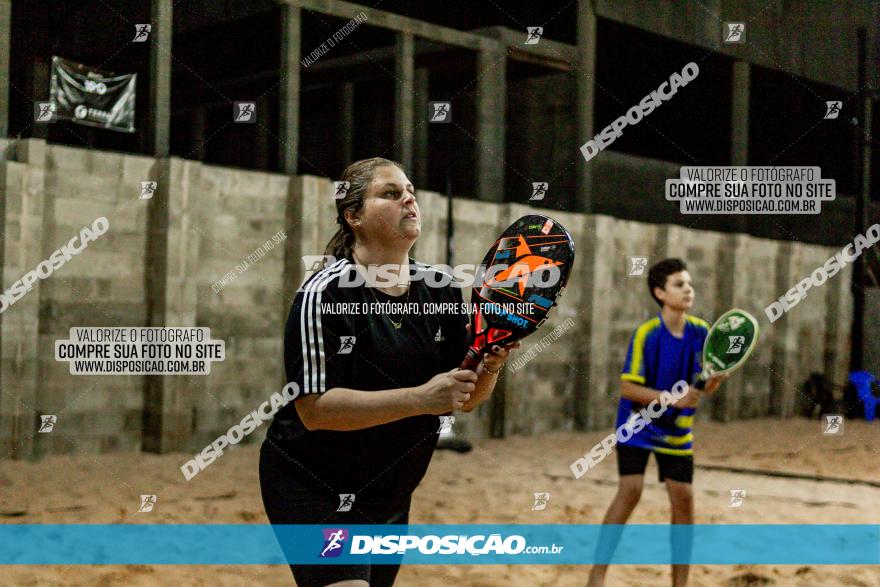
{"x": 172, "y": 262}
{"x": 40, "y": 75}
{"x": 491, "y": 106}
{"x": 586, "y": 81}
{"x": 784, "y": 363}
{"x": 739, "y": 119}
{"x": 22, "y": 195}
{"x": 5, "y": 38}
{"x": 199, "y": 122}
{"x": 288, "y": 108}
{"x": 346, "y": 114}
{"x": 404, "y": 69}
{"x": 739, "y": 125}
{"x": 597, "y": 386}
{"x": 420, "y": 132}
{"x": 160, "y": 77}
{"x": 261, "y": 140}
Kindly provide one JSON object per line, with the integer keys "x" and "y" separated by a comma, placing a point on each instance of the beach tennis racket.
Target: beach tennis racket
{"x": 729, "y": 343}
{"x": 520, "y": 280}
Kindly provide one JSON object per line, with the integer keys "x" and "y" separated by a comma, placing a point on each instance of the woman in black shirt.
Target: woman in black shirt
{"x": 357, "y": 441}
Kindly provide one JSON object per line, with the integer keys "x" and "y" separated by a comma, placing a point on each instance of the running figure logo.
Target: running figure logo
{"x": 833, "y": 424}
{"x": 534, "y": 34}
{"x": 44, "y": 112}
{"x": 333, "y": 540}
{"x": 47, "y": 423}
{"x": 346, "y": 344}
{"x": 147, "y": 503}
{"x": 736, "y": 344}
{"x": 438, "y": 337}
{"x": 637, "y": 265}
{"x": 541, "y": 501}
{"x": 736, "y": 32}
{"x": 341, "y": 189}
{"x": 147, "y": 189}
{"x": 539, "y": 190}
{"x": 832, "y": 109}
{"x": 440, "y": 111}
{"x": 446, "y": 423}
{"x": 346, "y": 500}
{"x": 245, "y": 112}
{"x": 141, "y": 32}
{"x": 736, "y": 498}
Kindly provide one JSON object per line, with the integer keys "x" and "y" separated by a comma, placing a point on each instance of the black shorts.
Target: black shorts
{"x": 289, "y": 500}
{"x": 632, "y": 460}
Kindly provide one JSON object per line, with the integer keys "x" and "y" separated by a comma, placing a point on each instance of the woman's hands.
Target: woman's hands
{"x": 450, "y": 391}
{"x": 495, "y": 359}
{"x": 446, "y": 392}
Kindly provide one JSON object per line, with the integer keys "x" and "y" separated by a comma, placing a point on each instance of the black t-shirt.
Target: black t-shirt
{"x": 381, "y": 465}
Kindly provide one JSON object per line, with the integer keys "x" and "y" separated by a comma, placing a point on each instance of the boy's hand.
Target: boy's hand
{"x": 690, "y": 399}
{"x": 714, "y": 382}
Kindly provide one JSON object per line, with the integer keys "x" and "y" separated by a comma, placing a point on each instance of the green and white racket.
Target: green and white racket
{"x": 730, "y": 341}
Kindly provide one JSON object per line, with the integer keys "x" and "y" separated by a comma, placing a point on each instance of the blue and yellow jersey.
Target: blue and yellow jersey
{"x": 658, "y": 360}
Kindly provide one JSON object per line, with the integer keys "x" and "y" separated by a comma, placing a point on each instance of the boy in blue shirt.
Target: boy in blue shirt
{"x": 663, "y": 350}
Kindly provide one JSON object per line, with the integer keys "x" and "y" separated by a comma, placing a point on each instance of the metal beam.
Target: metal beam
{"x": 347, "y": 122}
{"x": 160, "y": 77}
{"x": 404, "y": 69}
{"x": 739, "y": 125}
{"x": 288, "y": 106}
{"x": 586, "y": 90}
{"x": 419, "y": 174}
{"x": 862, "y": 173}
{"x": 5, "y": 43}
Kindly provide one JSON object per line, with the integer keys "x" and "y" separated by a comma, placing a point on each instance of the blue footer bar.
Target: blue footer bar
{"x": 254, "y": 544}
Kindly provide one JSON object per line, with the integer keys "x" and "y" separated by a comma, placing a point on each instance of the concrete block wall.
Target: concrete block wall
{"x": 22, "y": 180}
{"x": 241, "y": 210}
{"x": 50, "y": 194}
{"x": 102, "y": 286}
{"x": 540, "y": 396}
{"x": 160, "y": 258}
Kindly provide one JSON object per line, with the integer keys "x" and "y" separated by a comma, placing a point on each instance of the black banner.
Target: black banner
{"x": 93, "y": 97}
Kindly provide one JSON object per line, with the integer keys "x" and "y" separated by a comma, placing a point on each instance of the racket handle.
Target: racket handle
{"x": 700, "y": 380}
{"x": 471, "y": 360}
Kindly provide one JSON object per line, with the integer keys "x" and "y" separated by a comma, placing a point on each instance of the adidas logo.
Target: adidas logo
{"x": 439, "y": 336}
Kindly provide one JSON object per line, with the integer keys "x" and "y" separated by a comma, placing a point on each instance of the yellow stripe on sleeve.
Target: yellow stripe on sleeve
{"x": 634, "y": 378}
{"x": 635, "y": 364}
{"x": 698, "y": 322}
